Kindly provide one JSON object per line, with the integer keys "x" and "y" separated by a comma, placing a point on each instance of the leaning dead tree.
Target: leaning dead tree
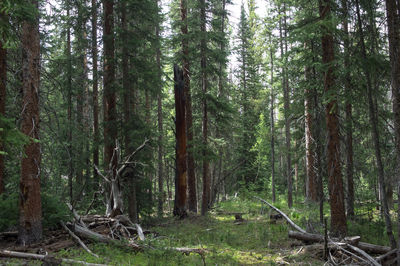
{"x": 112, "y": 177}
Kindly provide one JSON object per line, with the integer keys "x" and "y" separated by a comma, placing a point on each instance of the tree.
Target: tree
{"x": 96, "y": 136}
{"x": 30, "y": 206}
{"x": 3, "y": 80}
{"x": 110, "y": 131}
{"x": 189, "y": 118}
{"x": 335, "y": 182}
{"x": 204, "y": 85}
{"x": 286, "y": 100}
{"x": 349, "y": 123}
{"x": 181, "y": 161}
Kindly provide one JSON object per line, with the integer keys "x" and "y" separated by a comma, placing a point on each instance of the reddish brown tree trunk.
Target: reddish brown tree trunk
{"x": 3, "y": 80}
{"x": 181, "y": 163}
{"x": 30, "y": 206}
{"x": 335, "y": 182}
{"x": 95, "y": 93}
{"x": 189, "y": 120}
{"x": 110, "y": 129}
{"x": 203, "y": 47}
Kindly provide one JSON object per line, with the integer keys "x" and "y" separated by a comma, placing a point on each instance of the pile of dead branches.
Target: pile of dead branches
{"x": 346, "y": 251}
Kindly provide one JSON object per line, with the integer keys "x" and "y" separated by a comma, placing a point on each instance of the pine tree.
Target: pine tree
{"x": 30, "y": 206}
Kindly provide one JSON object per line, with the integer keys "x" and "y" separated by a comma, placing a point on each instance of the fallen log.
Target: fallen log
{"x": 388, "y": 258}
{"x": 78, "y": 240}
{"x": 367, "y": 247}
{"x": 9, "y": 234}
{"x": 31, "y": 256}
{"x": 295, "y": 226}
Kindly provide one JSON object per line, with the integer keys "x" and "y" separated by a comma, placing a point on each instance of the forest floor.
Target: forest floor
{"x": 255, "y": 240}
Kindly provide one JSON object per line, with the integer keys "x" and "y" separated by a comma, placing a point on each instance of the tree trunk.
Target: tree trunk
{"x": 110, "y": 125}
{"x": 311, "y": 175}
{"x": 205, "y": 204}
{"x": 349, "y": 122}
{"x": 160, "y": 127}
{"x": 272, "y": 128}
{"x": 393, "y": 21}
{"x": 286, "y": 99}
{"x": 335, "y": 182}
{"x": 70, "y": 122}
{"x": 189, "y": 120}
{"x": 30, "y": 206}
{"x": 181, "y": 166}
{"x": 375, "y": 134}
{"x": 95, "y": 94}
{"x": 3, "y": 81}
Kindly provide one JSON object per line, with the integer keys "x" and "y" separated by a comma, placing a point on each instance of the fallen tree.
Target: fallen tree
{"x": 47, "y": 258}
{"x": 349, "y": 245}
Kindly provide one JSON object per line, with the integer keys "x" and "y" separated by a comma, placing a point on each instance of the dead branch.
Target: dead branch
{"x": 78, "y": 240}
{"x": 295, "y": 226}
{"x": 367, "y": 247}
{"x": 77, "y": 217}
{"x": 31, "y": 256}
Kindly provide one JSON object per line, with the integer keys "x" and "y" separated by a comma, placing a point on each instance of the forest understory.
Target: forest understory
{"x": 239, "y": 231}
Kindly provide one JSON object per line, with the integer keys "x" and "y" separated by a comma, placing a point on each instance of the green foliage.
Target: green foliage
{"x": 10, "y": 135}
{"x": 8, "y": 211}
{"x": 53, "y": 211}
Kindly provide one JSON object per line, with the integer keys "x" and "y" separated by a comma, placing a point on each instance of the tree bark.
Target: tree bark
{"x": 272, "y": 128}
{"x": 181, "y": 162}
{"x": 393, "y": 21}
{"x": 335, "y": 182}
{"x": 160, "y": 127}
{"x": 95, "y": 93}
{"x": 70, "y": 121}
{"x": 110, "y": 127}
{"x": 205, "y": 204}
{"x": 3, "y": 81}
{"x": 286, "y": 100}
{"x": 30, "y": 206}
{"x": 311, "y": 175}
{"x": 349, "y": 122}
{"x": 189, "y": 119}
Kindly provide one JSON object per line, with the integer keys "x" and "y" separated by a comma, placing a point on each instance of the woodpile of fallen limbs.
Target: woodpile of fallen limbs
{"x": 118, "y": 230}
{"x": 346, "y": 251}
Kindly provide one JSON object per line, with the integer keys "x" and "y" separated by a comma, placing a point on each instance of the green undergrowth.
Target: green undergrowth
{"x": 257, "y": 240}
{"x": 254, "y": 241}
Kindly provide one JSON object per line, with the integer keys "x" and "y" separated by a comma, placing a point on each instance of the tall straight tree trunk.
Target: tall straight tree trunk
{"x": 349, "y": 119}
{"x": 95, "y": 94}
{"x": 272, "y": 127}
{"x": 30, "y": 206}
{"x": 70, "y": 122}
{"x": 205, "y": 204}
{"x": 110, "y": 130}
{"x": 393, "y": 21}
{"x": 335, "y": 182}
{"x": 3, "y": 81}
{"x": 286, "y": 100}
{"x": 189, "y": 117}
{"x": 181, "y": 162}
{"x": 375, "y": 134}
{"x": 311, "y": 175}
{"x": 160, "y": 124}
